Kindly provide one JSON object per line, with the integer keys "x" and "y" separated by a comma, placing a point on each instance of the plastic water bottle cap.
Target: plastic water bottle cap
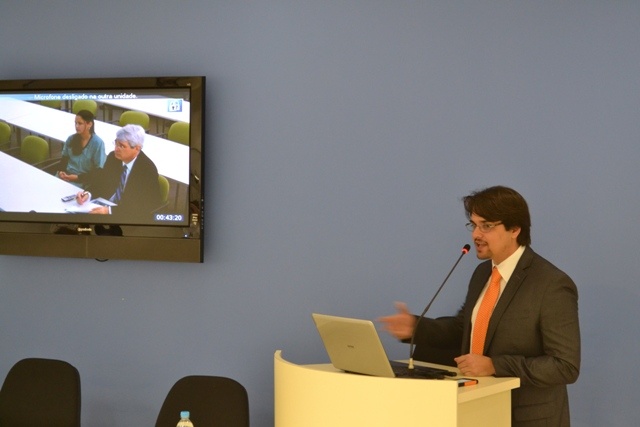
{"x": 184, "y": 414}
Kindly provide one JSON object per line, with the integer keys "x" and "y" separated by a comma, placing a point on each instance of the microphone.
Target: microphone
{"x": 465, "y": 250}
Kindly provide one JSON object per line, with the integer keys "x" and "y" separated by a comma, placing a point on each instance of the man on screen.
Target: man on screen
{"x": 129, "y": 179}
{"x": 519, "y": 318}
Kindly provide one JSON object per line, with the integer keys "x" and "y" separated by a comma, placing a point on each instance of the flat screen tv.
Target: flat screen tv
{"x": 63, "y": 146}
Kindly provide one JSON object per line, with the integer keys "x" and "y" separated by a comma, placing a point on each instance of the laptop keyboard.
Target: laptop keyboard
{"x": 420, "y": 372}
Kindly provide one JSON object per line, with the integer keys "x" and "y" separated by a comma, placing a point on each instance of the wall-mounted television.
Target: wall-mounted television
{"x": 64, "y": 189}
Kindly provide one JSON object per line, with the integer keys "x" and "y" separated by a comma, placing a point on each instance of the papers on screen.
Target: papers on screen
{"x": 89, "y": 206}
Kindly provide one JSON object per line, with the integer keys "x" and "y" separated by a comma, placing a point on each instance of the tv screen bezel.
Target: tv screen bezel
{"x": 79, "y": 236}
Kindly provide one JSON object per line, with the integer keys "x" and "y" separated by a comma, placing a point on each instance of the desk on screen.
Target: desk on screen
{"x": 171, "y": 158}
{"x": 156, "y": 107}
{"x": 29, "y": 189}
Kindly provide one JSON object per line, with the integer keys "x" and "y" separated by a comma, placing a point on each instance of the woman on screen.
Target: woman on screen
{"x": 83, "y": 151}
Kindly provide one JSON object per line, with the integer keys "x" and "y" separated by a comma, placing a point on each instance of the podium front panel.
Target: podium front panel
{"x": 321, "y": 396}
{"x": 317, "y": 395}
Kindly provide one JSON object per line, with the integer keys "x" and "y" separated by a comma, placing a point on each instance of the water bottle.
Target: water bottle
{"x": 184, "y": 420}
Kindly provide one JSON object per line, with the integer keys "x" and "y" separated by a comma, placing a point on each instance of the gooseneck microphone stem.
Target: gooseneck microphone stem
{"x": 465, "y": 250}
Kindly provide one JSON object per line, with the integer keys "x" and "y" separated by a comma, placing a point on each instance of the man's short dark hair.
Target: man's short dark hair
{"x": 501, "y": 204}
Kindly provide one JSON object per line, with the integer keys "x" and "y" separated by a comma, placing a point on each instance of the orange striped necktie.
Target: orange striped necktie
{"x": 484, "y": 313}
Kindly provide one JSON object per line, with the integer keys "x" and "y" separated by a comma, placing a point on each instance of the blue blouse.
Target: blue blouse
{"x": 91, "y": 157}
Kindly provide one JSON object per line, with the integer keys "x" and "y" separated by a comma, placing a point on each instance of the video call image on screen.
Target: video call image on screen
{"x": 57, "y": 144}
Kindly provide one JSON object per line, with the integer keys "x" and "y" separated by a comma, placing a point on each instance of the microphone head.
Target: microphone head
{"x": 465, "y": 249}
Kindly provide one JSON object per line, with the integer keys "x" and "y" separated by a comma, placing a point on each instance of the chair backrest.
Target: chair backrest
{"x": 164, "y": 188}
{"x": 85, "y": 104}
{"x": 5, "y": 135}
{"x": 135, "y": 118}
{"x": 34, "y": 149}
{"x": 212, "y": 401}
{"x": 41, "y": 392}
{"x": 54, "y": 103}
{"x": 179, "y": 132}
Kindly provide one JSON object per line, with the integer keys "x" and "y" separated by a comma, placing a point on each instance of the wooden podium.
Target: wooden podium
{"x": 322, "y": 396}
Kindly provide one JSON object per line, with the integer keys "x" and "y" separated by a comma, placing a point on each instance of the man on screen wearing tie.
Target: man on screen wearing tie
{"x": 128, "y": 179}
{"x": 520, "y": 316}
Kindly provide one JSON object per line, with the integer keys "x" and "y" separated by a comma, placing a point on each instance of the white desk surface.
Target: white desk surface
{"x": 32, "y": 189}
{"x": 11, "y": 108}
{"x": 153, "y": 106}
{"x": 171, "y": 158}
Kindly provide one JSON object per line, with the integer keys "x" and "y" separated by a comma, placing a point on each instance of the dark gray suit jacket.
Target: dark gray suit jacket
{"x": 141, "y": 194}
{"x": 533, "y": 334}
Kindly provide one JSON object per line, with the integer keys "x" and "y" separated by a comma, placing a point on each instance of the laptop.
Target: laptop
{"x": 354, "y": 346}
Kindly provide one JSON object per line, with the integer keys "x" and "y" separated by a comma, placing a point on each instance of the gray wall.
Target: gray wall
{"x": 342, "y": 135}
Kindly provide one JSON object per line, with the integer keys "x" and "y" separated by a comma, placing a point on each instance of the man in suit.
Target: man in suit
{"x": 533, "y": 331}
{"x": 129, "y": 179}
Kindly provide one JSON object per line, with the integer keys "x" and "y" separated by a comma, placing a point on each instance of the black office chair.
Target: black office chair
{"x": 211, "y": 401}
{"x": 41, "y": 392}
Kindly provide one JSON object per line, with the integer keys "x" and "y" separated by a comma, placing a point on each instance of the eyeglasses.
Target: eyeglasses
{"x": 121, "y": 145}
{"x": 484, "y": 227}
